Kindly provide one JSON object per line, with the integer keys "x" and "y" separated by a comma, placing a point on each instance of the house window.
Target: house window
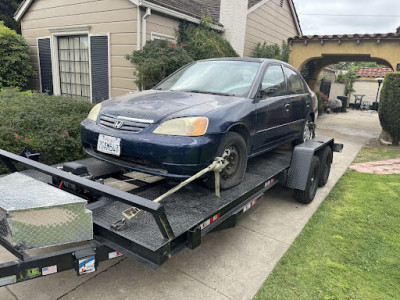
{"x": 73, "y": 55}
{"x": 74, "y": 63}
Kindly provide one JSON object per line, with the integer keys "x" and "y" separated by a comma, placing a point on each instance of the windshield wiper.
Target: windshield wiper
{"x": 207, "y": 92}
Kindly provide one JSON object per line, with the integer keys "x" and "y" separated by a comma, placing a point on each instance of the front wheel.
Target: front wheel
{"x": 233, "y": 173}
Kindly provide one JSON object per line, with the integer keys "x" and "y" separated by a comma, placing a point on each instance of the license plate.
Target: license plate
{"x": 108, "y": 144}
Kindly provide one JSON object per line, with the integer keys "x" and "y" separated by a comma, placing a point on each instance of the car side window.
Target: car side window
{"x": 274, "y": 78}
{"x": 295, "y": 84}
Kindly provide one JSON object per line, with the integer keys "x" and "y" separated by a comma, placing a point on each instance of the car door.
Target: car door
{"x": 272, "y": 108}
{"x": 300, "y": 100}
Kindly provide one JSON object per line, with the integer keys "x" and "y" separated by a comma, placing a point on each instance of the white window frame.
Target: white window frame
{"x": 161, "y": 36}
{"x": 67, "y": 31}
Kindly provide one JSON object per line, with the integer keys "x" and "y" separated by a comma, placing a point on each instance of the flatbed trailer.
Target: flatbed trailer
{"x": 179, "y": 221}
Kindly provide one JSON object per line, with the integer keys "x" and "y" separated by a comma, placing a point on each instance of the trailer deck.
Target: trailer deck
{"x": 177, "y": 222}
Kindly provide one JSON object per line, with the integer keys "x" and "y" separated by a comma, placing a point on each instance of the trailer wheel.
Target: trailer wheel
{"x": 308, "y": 194}
{"x": 326, "y": 161}
{"x": 233, "y": 173}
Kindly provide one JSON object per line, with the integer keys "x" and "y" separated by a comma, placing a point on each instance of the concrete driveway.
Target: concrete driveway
{"x": 230, "y": 264}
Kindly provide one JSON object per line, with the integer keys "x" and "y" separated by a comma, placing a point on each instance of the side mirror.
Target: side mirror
{"x": 266, "y": 92}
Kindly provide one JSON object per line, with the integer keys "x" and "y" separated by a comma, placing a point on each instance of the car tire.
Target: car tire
{"x": 306, "y": 133}
{"x": 233, "y": 173}
{"x": 307, "y": 196}
{"x": 326, "y": 161}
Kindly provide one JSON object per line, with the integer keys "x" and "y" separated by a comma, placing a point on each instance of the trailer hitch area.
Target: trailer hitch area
{"x": 217, "y": 166}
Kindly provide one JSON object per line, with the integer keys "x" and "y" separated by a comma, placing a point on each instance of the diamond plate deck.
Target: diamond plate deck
{"x": 34, "y": 214}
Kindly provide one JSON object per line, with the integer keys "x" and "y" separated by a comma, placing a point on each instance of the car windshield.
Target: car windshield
{"x": 214, "y": 77}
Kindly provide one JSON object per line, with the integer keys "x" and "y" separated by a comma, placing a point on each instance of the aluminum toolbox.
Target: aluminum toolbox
{"x": 34, "y": 214}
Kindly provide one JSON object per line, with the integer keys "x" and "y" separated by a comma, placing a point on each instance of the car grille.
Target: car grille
{"x": 124, "y": 123}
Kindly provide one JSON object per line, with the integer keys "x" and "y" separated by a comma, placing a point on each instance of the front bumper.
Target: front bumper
{"x": 168, "y": 156}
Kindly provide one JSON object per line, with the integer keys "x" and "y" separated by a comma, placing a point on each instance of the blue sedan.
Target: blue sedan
{"x": 246, "y": 105}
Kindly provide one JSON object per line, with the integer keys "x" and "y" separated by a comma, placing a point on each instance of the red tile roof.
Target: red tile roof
{"x": 356, "y": 36}
{"x": 373, "y": 72}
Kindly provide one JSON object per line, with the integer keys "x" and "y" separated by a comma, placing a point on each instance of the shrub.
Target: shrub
{"x": 320, "y": 102}
{"x": 273, "y": 51}
{"x": 203, "y": 42}
{"x": 50, "y": 125}
{"x": 157, "y": 60}
{"x": 389, "y": 106}
{"x": 15, "y": 66}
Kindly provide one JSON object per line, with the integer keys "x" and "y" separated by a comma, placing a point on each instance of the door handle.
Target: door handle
{"x": 287, "y": 107}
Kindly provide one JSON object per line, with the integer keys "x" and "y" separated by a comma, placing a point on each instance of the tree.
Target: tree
{"x": 389, "y": 106}
{"x": 157, "y": 60}
{"x": 272, "y": 51}
{"x": 8, "y": 8}
{"x": 15, "y": 66}
{"x": 202, "y": 42}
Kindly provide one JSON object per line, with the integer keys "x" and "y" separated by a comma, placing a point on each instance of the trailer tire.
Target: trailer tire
{"x": 308, "y": 194}
{"x": 326, "y": 161}
{"x": 233, "y": 173}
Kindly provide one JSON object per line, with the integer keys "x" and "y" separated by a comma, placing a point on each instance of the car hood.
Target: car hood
{"x": 160, "y": 105}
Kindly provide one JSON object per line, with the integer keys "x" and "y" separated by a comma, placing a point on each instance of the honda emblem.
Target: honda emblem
{"x": 118, "y": 124}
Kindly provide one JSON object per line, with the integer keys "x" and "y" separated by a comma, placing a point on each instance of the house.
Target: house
{"x": 78, "y": 48}
{"x": 367, "y": 83}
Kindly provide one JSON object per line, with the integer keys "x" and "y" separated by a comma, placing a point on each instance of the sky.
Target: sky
{"x": 348, "y": 16}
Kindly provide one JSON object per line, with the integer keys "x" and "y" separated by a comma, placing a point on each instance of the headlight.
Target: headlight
{"x": 94, "y": 112}
{"x": 192, "y": 126}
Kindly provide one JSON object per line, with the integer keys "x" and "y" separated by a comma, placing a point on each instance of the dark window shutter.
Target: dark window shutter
{"x": 99, "y": 62}
{"x": 46, "y": 76}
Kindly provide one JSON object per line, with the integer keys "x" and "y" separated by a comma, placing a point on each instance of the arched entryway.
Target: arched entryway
{"x": 319, "y": 51}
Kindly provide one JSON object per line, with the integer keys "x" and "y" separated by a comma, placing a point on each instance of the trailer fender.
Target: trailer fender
{"x": 301, "y": 160}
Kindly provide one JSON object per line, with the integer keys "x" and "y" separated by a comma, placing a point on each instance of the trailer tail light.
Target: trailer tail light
{"x": 209, "y": 221}
{"x": 114, "y": 254}
{"x": 269, "y": 182}
{"x": 249, "y": 205}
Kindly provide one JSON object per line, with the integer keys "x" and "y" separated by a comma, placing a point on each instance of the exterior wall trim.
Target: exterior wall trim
{"x": 153, "y": 34}
{"x": 21, "y": 10}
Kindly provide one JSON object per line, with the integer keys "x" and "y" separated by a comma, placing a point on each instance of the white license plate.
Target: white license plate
{"x": 108, "y": 144}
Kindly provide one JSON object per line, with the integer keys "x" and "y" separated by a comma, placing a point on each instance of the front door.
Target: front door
{"x": 273, "y": 109}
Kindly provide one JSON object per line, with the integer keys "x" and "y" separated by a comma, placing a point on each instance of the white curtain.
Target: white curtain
{"x": 73, "y": 55}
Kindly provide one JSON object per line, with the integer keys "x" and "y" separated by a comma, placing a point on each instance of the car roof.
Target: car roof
{"x": 246, "y": 59}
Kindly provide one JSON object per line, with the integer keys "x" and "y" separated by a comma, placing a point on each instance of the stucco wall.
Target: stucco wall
{"x": 367, "y": 88}
{"x": 337, "y": 89}
{"x": 269, "y": 22}
{"x": 114, "y": 17}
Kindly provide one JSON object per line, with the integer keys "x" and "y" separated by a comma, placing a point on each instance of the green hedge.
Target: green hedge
{"x": 389, "y": 106}
{"x": 157, "y": 60}
{"x": 202, "y": 42}
{"x": 15, "y": 65}
{"x": 50, "y": 125}
{"x": 272, "y": 51}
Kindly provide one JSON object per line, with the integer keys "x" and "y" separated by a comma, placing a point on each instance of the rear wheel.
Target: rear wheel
{"x": 308, "y": 194}
{"x": 233, "y": 173}
{"x": 326, "y": 161}
{"x": 307, "y": 133}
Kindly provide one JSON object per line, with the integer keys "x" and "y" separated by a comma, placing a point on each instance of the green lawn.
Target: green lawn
{"x": 350, "y": 249}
